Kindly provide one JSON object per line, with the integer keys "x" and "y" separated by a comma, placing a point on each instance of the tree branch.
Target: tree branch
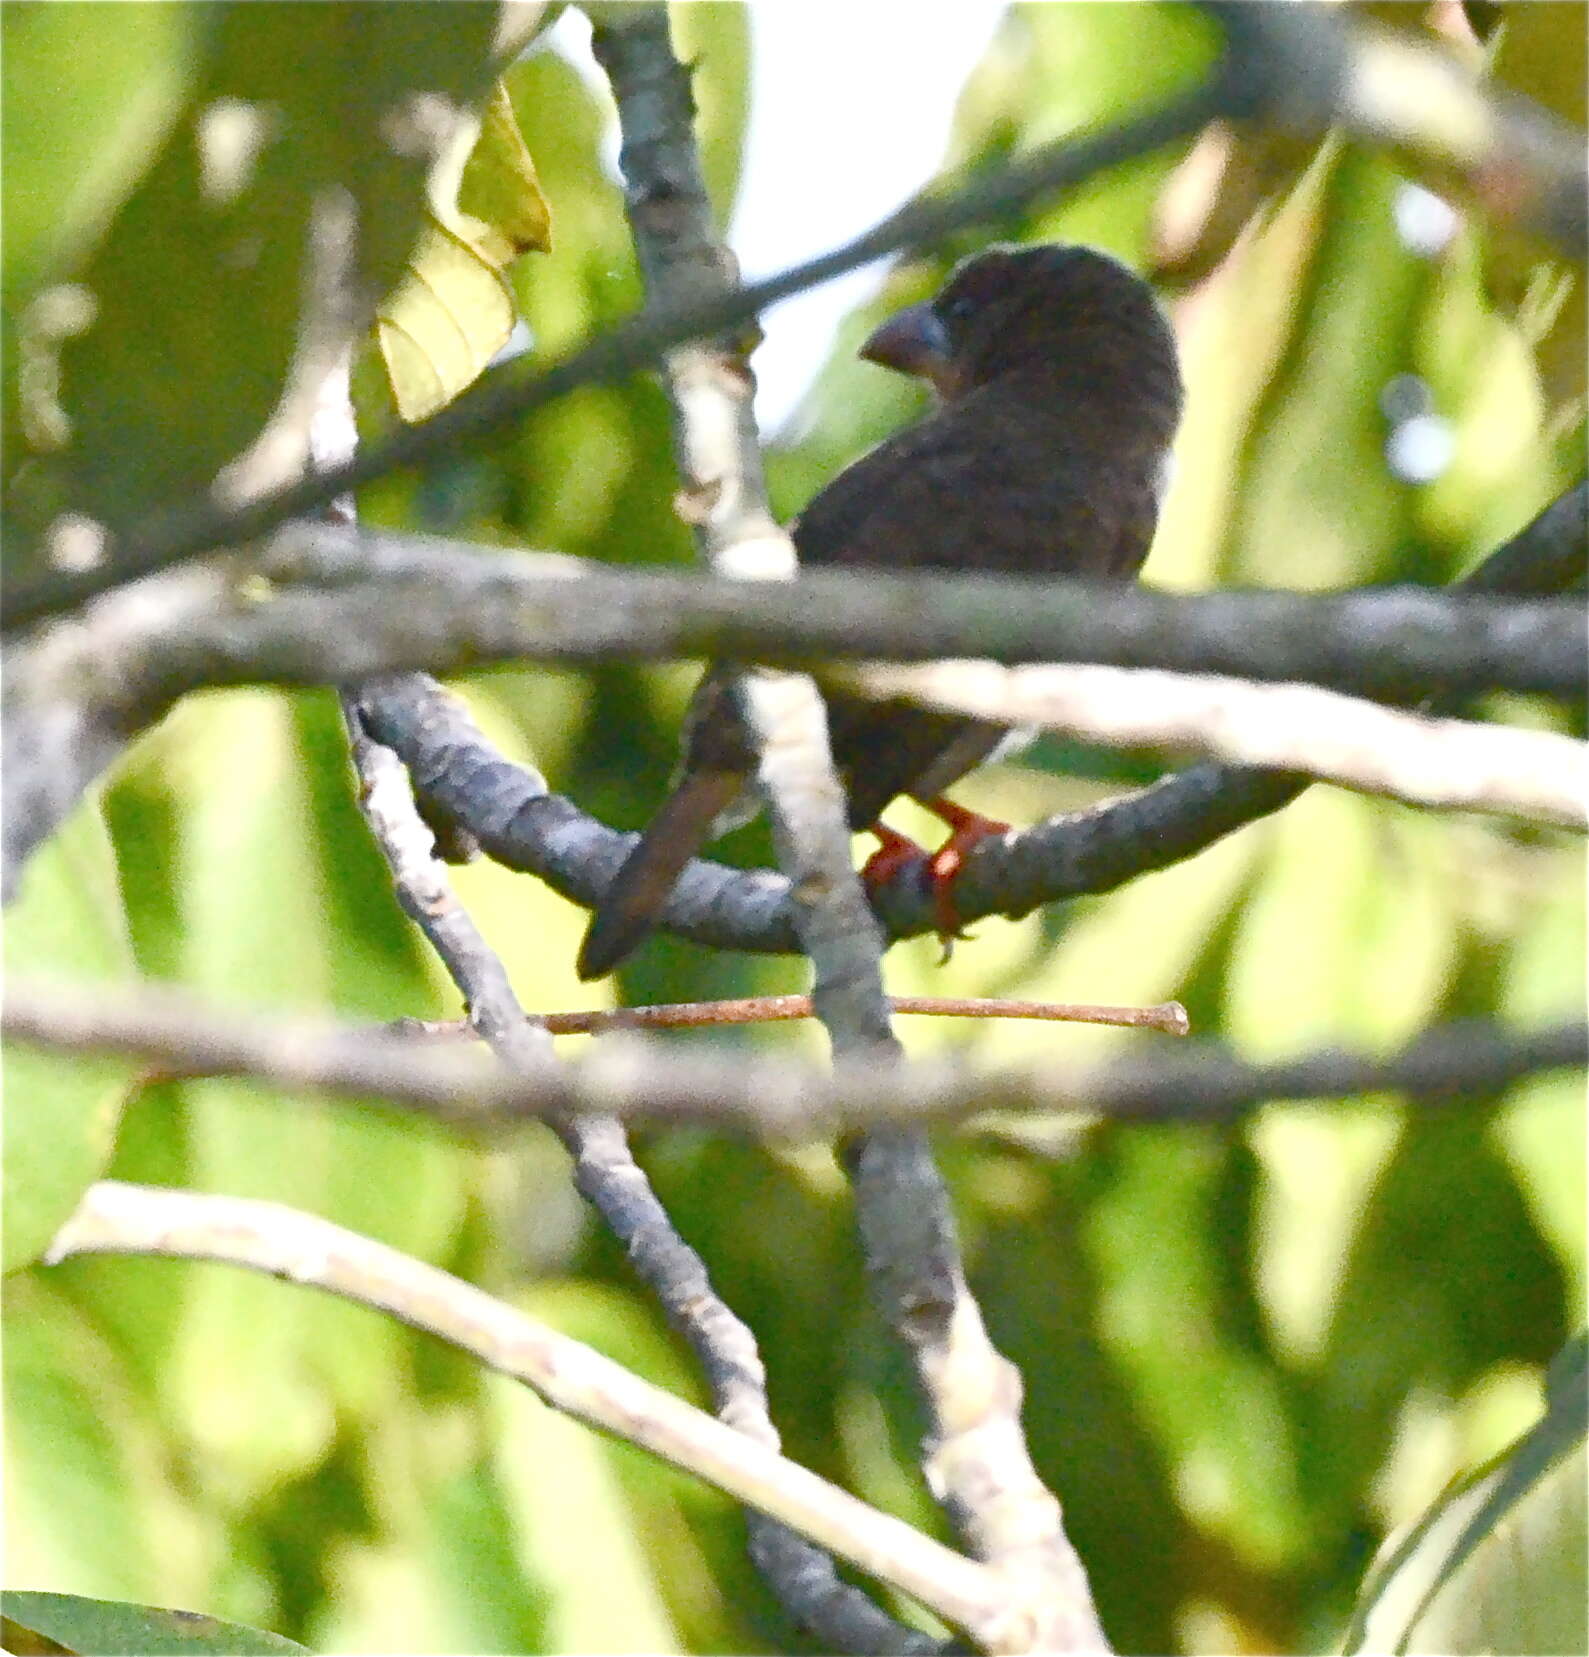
{"x": 366, "y": 602}
{"x": 376, "y": 603}
{"x": 516, "y": 389}
{"x": 524, "y": 826}
{"x": 1307, "y": 72}
{"x": 978, "y": 1463}
{"x": 607, "y": 1176}
{"x": 649, "y": 1079}
{"x": 1298, "y": 68}
{"x": 268, "y": 1237}
{"x": 1438, "y": 762}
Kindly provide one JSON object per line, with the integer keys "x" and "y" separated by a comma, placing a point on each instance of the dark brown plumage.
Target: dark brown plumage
{"x": 1060, "y": 394}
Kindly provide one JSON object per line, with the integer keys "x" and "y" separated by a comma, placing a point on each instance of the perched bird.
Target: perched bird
{"x": 1059, "y": 394}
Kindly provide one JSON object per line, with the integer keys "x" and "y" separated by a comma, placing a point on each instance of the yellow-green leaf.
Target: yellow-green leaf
{"x": 500, "y": 208}
{"x": 448, "y": 317}
{"x": 61, "y": 1112}
{"x": 453, "y": 309}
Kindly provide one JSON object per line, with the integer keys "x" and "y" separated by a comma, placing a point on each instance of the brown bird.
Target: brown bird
{"x": 1059, "y": 396}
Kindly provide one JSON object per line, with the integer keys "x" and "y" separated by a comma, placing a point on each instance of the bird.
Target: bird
{"x": 1057, "y": 397}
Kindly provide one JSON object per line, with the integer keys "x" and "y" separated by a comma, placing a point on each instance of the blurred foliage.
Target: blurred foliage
{"x": 1249, "y": 1351}
{"x": 1481, "y": 1571}
{"x": 197, "y": 277}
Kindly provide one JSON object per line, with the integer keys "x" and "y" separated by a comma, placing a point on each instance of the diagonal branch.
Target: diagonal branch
{"x": 709, "y": 389}
{"x": 1517, "y": 161}
{"x": 1299, "y": 67}
{"x": 514, "y": 390}
{"x": 605, "y": 1171}
{"x": 268, "y": 1237}
{"x": 524, "y": 826}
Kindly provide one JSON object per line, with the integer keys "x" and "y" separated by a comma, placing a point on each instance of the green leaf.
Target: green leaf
{"x": 713, "y": 37}
{"x": 499, "y": 206}
{"x": 61, "y": 1111}
{"x": 454, "y": 309}
{"x": 87, "y": 1625}
{"x": 89, "y": 91}
{"x": 278, "y": 902}
{"x": 91, "y": 1497}
{"x": 442, "y": 324}
{"x": 196, "y": 289}
{"x": 1498, "y": 1564}
{"x": 560, "y": 1487}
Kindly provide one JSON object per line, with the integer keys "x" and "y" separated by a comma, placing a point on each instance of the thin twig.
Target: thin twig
{"x": 1170, "y": 1016}
{"x": 605, "y": 1171}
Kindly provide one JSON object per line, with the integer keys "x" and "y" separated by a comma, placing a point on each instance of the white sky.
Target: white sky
{"x": 836, "y": 142}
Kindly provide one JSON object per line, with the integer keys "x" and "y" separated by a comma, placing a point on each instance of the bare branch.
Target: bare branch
{"x": 524, "y": 826}
{"x": 514, "y": 390}
{"x": 268, "y": 1237}
{"x": 75, "y": 693}
{"x": 413, "y": 602}
{"x": 605, "y": 1171}
{"x": 978, "y": 1463}
{"x": 709, "y": 390}
{"x": 1168, "y": 1016}
{"x": 1306, "y": 72}
{"x": 646, "y": 1078}
{"x": 1440, "y": 762}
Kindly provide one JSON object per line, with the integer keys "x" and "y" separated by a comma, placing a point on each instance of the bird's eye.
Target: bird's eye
{"x": 961, "y": 309}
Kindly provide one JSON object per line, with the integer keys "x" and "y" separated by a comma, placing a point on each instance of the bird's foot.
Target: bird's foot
{"x": 941, "y": 868}
{"x": 967, "y": 829}
{"x": 895, "y": 851}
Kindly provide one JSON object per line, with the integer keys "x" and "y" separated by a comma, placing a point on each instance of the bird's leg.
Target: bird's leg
{"x": 966, "y": 830}
{"x": 895, "y": 851}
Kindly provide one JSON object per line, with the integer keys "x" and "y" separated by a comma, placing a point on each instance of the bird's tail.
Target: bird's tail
{"x": 635, "y": 900}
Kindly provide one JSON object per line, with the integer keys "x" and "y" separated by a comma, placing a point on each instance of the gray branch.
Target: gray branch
{"x": 514, "y": 390}
{"x": 650, "y": 1079}
{"x": 524, "y": 826}
{"x": 375, "y": 603}
{"x": 709, "y": 390}
{"x": 978, "y": 1463}
{"x": 354, "y": 603}
{"x": 1452, "y": 764}
{"x": 114, "y": 1218}
{"x": 1307, "y": 73}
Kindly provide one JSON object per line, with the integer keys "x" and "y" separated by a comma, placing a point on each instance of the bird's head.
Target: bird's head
{"x": 1043, "y": 308}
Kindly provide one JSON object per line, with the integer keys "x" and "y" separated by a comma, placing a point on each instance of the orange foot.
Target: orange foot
{"x": 967, "y": 829}
{"x": 896, "y": 851}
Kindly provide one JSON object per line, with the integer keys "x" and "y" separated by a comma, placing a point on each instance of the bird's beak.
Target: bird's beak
{"x": 913, "y": 341}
